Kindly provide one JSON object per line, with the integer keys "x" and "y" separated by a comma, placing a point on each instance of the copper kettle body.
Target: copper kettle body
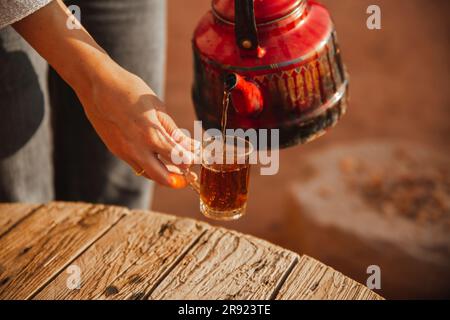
{"x": 281, "y": 63}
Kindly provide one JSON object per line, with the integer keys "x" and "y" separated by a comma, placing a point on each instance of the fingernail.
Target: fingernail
{"x": 177, "y": 136}
{"x": 177, "y": 181}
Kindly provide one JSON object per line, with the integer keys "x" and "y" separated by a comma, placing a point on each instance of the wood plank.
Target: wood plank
{"x": 227, "y": 265}
{"x": 42, "y": 245}
{"x": 130, "y": 259}
{"x": 312, "y": 280}
{"x": 13, "y": 213}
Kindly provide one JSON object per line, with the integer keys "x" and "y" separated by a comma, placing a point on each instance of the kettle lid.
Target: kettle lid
{"x": 265, "y": 10}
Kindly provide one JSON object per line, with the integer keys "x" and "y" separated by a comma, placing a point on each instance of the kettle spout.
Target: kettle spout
{"x": 246, "y": 95}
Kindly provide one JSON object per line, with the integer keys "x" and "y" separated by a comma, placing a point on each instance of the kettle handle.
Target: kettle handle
{"x": 245, "y": 25}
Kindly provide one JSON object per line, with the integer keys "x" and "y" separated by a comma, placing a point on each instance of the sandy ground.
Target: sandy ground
{"x": 399, "y": 89}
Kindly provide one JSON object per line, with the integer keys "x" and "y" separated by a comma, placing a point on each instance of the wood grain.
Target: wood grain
{"x": 227, "y": 265}
{"x": 144, "y": 255}
{"x": 130, "y": 259}
{"x": 312, "y": 280}
{"x": 11, "y": 214}
{"x": 37, "y": 249}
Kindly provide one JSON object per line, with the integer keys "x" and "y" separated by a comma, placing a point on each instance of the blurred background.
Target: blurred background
{"x": 376, "y": 189}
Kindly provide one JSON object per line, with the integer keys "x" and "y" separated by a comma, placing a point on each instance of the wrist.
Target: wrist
{"x": 87, "y": 74}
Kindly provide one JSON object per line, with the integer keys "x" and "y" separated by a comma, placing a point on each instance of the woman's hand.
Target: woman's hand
{"x": 124, "y": 111}
{"x": 132, "y": 122}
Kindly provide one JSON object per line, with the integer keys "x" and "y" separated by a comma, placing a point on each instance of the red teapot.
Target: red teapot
{"x": 280, "y": 62}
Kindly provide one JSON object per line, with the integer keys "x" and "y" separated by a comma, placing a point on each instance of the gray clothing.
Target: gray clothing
{"x": 48, "y": 149}
{"x": 14, "y": 10}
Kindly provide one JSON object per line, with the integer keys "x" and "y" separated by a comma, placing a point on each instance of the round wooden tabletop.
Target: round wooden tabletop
{"x": 83, "y": 251}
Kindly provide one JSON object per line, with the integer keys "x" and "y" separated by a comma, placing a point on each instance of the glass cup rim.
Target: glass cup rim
{"x": 249, "y": 148}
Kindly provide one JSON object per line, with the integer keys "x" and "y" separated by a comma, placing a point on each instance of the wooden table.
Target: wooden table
{"x": 122, "y": 254}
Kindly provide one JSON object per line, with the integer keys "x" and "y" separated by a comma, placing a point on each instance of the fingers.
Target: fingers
{"x": 186, "y": 142}
{"x": 175, "y": 134}
{"x": 157, "y": 171}
{"x": 170, "y": 150}
{"x": 172, "y": 144}
{"x": 168, "y": 142}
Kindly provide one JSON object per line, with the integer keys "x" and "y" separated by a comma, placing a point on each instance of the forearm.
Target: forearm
{"x": 124, "y": 111}
{"x": 73, "y": 53}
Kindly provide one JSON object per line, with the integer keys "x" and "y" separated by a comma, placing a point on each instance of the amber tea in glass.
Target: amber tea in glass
{"x": 224, "y": 178}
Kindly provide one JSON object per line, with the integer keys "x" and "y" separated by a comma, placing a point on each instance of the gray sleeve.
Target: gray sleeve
{"x": 14, "y": 10}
